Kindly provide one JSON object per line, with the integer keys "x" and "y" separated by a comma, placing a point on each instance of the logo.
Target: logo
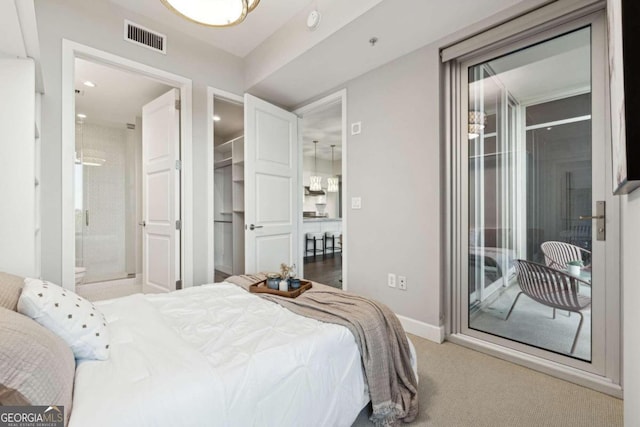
{"x": 31, "y": 416}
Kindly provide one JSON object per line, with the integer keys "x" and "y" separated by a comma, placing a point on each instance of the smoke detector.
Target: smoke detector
{"x": 313, "y": 20}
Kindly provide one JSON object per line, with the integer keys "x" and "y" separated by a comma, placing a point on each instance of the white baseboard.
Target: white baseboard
{"x": 422, "y": 329}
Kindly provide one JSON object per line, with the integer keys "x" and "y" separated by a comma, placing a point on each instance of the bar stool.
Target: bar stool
{"x": 314, "y": 237}
{"x": 333, "y": 237}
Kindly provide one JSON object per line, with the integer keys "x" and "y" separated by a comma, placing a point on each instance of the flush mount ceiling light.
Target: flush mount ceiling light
{"x": 477, "y": 120}
{"x": 315, "y": 181}
{"x": 212, "y": 13}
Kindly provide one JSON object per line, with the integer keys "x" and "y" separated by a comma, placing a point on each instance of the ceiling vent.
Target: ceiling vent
{"x": 142, "y": 36}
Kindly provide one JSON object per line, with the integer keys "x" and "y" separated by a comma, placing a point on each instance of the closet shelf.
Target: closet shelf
{"x": 222, "y": 163}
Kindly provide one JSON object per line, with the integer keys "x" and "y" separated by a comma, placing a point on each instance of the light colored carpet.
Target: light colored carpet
{"x": 460, "y": 387}
{"x": 108, "y": 290}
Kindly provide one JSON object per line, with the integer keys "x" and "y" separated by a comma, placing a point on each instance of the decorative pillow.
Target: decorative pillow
{"x": 71, "y": 317}
{"x": 36, "y": 366}
{"x": 10, "y": 288}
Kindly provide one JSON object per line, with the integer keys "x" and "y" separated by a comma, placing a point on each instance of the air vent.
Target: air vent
{"x": 142, "y": 36}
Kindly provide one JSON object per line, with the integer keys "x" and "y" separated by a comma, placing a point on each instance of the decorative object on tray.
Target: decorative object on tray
{"x": 273, "y": 280}
{"x": 262, "y": 288}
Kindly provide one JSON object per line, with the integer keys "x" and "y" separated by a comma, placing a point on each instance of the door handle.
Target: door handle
{"x": 253, "y": 227}
{"x": 143, "y": 223}
{"x": 600, "y": 216}
{"x": 86, "y": 217}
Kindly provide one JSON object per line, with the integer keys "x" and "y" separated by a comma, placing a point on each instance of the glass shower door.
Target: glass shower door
{"x": 101, "y": 198}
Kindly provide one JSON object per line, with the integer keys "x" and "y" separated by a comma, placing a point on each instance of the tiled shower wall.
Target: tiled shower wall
{"x": 101, "y": 246}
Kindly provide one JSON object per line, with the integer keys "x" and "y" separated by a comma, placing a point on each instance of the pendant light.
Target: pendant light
{"x": 212, "y": 13}
{"x": 315, "y": 182}
{"x": 332, "y": 183}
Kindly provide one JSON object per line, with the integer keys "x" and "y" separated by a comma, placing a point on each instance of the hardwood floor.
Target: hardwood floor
{"x": 219, "y": 276}
{"x": 322, "y": 269}
{"x": 325, "y": 269}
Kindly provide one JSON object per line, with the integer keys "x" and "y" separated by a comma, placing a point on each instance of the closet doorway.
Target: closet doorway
{"x": 108, "y": 175}
{"x": 228, "y": 182}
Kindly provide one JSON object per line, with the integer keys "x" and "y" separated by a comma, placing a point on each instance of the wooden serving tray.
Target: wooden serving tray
{"x": 262, "y": 288}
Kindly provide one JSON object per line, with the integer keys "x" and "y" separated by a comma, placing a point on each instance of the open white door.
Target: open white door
{"x": 161, "y": 193}
{"x": 271, "y": 186}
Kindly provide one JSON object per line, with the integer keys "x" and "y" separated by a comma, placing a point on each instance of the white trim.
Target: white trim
{"x": 339, "y": 96}
{"x": 520, "y": 27}
{"x": 546, "y": 366}
{"x": 422, "y": 329}
{"x": 71, "y": 50}
{"x": 211, "y": 94}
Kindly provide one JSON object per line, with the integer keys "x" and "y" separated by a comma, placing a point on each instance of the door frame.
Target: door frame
{"x": 70, "y": 51}
{"x": 608, "y": 377}
{"x": 333, "y": 98}
{"x": 212, "y": 93}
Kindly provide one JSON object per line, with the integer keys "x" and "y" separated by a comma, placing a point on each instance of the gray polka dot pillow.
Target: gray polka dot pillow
{"x": 74, "y": 319}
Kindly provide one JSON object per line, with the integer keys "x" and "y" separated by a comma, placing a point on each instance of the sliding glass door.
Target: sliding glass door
{"x": 535, "y": 254}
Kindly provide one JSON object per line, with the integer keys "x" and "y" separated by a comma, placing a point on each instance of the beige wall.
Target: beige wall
{"x": 99, "y": 24}
{"x": 395, "y": 166}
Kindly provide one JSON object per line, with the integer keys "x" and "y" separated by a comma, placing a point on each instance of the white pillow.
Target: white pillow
{"x": 71, "y": 317}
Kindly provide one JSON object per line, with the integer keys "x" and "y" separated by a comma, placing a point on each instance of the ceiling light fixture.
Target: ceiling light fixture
{"x": 477, "y": 120}
{"x": 315, "y": 181}
{"x": 212, "y": 13}
{"x": 216, "y": 118}
{"x": 332, "y": 183}
{"x": 89, "y": 83}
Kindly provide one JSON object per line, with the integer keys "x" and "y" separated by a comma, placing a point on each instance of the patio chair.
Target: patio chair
{"x": 551, "y": 287}
{"x": 558, "y": 254}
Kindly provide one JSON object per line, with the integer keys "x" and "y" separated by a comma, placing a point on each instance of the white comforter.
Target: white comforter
{"x": 216, "y": 355}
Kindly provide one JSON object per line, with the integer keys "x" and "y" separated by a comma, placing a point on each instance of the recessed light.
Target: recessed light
{"x": 549, "y": 128}
{"x": 81, "y": 116}
{"x": 216, "y": 118}
{"x": 89, "y": 83}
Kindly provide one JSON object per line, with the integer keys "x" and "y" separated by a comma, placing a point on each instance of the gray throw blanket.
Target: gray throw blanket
{"x": 386, "y": 357}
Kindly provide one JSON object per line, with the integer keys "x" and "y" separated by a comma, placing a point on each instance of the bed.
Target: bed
{"x": 217, "y": 355}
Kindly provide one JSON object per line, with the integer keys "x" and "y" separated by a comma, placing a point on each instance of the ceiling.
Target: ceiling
{"x": 239, "y": 40}
{"x": 231, "y": 122}
{"x": 549, "y": 68}
{"x": 118, "y": 96}
{"x": 347, "y": 54}
{"x": 325, "y": 126}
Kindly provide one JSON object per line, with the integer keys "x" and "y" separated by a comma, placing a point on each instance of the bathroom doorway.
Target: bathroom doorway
{"x": 108, "y": 175}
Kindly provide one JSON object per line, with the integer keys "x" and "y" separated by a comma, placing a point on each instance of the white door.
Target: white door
{"x": 271, "y": 186}
{"x": 161, "y": 193}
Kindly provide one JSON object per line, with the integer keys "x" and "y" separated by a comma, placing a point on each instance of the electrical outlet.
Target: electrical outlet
{"x": 391, "y": 280}
{"x": 402, "y": 283}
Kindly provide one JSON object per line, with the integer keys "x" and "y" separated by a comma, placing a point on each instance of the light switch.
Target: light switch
{"x": 356, "y": 128}
{"x": 356, "y": 203}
